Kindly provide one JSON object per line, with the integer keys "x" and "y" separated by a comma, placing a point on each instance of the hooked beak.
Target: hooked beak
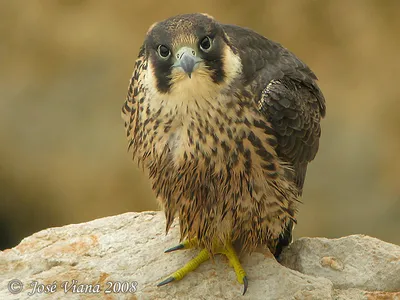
{"x": 187, "y": 60}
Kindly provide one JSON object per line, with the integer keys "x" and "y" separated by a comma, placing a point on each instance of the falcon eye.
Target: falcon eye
{"x": 205, "y": 44}
{"x": 163, "y": 51}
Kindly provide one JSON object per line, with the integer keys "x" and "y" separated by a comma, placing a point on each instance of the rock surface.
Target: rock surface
{"x": 115, "y": 252}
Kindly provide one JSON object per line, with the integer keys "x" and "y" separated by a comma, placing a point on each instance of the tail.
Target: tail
{"x": 286, "y": 237}
{"x": 283, "y": 241}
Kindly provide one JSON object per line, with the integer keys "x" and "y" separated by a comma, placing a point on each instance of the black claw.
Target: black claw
{"x": 166, "y": 281}
{"x": 180, "y": 246}
{"x": 245, "y": 284}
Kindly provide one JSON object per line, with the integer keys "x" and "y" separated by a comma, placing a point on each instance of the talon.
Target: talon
{"x": 166, "y": 281}
{"x": 230, "y": 253}
{"x": 226, "y": 249}
{"x": 245, "y": 284}
{"x": 178, "y": 247}
{"x": 189, "y": 267}
{"x": 188, "y": 244}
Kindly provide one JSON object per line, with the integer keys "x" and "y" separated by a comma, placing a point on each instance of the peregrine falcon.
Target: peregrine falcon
{"x": 226, "y": 122}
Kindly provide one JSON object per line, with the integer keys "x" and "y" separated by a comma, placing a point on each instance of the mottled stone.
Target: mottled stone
{"x": 129, "y": 247}
{"x": 355, "y": 261}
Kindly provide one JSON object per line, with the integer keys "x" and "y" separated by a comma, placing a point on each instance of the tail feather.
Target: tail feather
{"x": 283, "y": 241}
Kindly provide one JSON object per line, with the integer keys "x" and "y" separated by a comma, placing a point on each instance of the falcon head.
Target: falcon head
{"x": 189, "y": 54}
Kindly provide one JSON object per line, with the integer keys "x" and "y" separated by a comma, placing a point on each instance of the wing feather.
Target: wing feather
{"x": 287, "y": 94}
{"x": 293, "y": 109}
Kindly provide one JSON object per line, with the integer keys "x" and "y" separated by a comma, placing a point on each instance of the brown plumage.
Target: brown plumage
{"x": 226, "y": 147}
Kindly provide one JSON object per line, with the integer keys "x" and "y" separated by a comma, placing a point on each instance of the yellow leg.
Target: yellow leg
{"x": 189, "y": 267}
{"x": 226, "y": 250}
{"x": 230, "y": 253}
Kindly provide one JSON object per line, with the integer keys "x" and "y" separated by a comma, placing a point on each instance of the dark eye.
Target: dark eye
{"x": 205, "y": 44}
{"x": 163, "y": 51}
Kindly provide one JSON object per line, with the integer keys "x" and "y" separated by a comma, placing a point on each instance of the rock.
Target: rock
{"x": 354, "y": 261}
{"x": 118, "y": 252}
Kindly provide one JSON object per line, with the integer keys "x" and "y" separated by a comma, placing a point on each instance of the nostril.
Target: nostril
{"x": 185, "y": 51}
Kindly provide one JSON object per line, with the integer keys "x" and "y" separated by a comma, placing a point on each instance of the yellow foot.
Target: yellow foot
{"x": 203, "y": 256}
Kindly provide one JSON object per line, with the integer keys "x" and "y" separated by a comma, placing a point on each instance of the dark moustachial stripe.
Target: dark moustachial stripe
{"x": 215, "y": 64}
{"x": 162, "y": 72}
{"x": 161, "y": 68}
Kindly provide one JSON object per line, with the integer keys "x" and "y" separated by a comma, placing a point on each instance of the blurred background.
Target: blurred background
{"x": 64, "y": 71}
